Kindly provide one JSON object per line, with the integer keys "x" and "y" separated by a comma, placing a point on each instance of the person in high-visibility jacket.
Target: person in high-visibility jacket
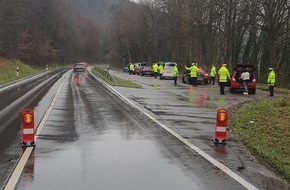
{"x": 131, "y": 68}
{"x": 212, "y": 74}
{"x": 155, "y": 69}
{"x": 224, "y": 76}
{"x": 175, "y": 74}
{"x": 160, "y": 69}
{"x": 193, "y": 73}
{"x": 271, "y": 81}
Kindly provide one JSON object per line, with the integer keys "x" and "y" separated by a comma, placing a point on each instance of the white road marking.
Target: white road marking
{"x": 13, "y": 180}
{"x": 18, "y": 170}
{"x": 216, "y": 163}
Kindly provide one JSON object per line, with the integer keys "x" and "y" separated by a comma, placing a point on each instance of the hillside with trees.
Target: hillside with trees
{"x": 44, "y": 31}
{"x": 203, "y": 31}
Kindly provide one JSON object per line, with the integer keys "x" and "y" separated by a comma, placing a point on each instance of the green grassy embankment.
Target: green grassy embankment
{"x": 264, "y": 127}
{"x": 8, "y": 71}
{"x": 113, "y": 80}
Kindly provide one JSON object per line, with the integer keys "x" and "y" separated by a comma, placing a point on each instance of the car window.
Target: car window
{"x": 201, "y": 72}
{"x": 144, "y": 64}
{"x": 79, "y": 65}
{"x": 242, "y": 68}
{"x": 170, "y": 64}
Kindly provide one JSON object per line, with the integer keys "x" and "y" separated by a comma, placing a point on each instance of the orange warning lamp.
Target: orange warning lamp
{"x": 222, "y": 116}
{"x": 27, "y": 118}
{"x": 221, "y": 126}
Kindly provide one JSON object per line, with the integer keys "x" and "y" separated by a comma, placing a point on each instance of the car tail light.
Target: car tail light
{"x": 254, "y": 80}
{"x": 206, "y": 75}
{"x": 233, "y": 79}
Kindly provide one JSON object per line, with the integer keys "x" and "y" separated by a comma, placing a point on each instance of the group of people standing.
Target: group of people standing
{"x": 157, "y": 69}
{"x": 223, "y": 76}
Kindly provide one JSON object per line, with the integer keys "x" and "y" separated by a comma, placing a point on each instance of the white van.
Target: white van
{"x": 168, "y": 70}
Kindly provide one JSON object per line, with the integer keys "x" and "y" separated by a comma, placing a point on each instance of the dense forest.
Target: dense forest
{"x": 202, "y": 31}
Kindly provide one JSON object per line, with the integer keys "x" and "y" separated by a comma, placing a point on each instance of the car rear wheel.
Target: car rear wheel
{"x": 232, "y": 90}
{"x": 252, "y": 91}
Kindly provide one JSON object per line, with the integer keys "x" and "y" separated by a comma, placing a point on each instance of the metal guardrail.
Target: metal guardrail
{"x": 106, "y": 74}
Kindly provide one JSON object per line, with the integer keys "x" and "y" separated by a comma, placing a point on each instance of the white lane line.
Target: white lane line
{"x": 40, "y": 126}
{"x": 13, "y": 180}
{"x": 216, "y": 163}
{"x": 18, "y": 170}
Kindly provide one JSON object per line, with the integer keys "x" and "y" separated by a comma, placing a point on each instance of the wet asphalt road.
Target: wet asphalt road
{"x": 94, "y": 140}
{"x": 14, "y": 98}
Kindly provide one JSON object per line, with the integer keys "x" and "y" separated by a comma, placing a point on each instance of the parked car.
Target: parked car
{"x": 139, "y": 67}
{"x": 147, "y": 70}
{"x": 202, "y": 77}
{"x": 126, "y": 69}
{"x": 168, "y": 70}
{"x": 80, "y": 67}
{"x": 236, "y": 84}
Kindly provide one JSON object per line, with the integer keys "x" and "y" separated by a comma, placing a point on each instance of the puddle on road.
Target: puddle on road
{"x": 201, "y": 98}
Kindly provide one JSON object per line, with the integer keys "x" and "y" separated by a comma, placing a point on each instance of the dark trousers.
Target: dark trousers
{"x": 246, "y": 83}
{"x": 175, "y": 81}
{"x": 271, "y": 89}
{"x": 212, "y": 80}
{"x": 193, "y": 81}
{"x": 222, "y": 87}
{"x": 155, "y": 74}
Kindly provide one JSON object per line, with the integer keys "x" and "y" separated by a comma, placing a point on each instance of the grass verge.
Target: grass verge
{"x": 277, "y": 90}
{"x": 8, "y": 71}
{"x": 116, "y": 82}
{"x": 264, "y": 127}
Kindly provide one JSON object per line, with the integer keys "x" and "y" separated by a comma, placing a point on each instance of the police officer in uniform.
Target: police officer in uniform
{"x": 271, "y": 81}
{"x": 224, "y": 76}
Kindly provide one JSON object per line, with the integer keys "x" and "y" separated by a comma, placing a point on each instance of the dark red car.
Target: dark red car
{"x": 236, "y": 84}
{"x": 147, "y": 70}
{"x": 80, "y": 67}
{"x": 202, "y": 77}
